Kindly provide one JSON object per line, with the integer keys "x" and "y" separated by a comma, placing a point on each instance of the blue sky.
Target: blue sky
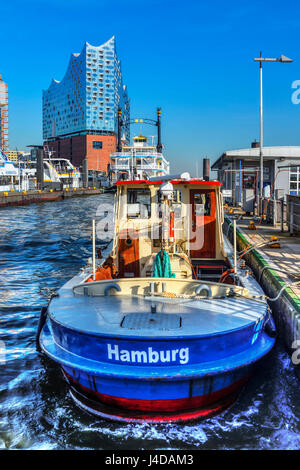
{"x": 192, "y": 58}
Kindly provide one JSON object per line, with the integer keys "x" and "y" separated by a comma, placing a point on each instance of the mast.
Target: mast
{"x": 158, "y": 123}
{"x": 119, "y": 146}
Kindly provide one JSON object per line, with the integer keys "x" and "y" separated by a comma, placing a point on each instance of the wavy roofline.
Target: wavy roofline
{"x": 101, "y": 45}
{"x": 76, "y": 55}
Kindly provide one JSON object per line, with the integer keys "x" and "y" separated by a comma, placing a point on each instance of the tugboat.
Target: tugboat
{"x": 168, "y": 326}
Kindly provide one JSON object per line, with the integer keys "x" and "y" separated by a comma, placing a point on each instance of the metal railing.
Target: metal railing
{"x": 140, "y": 163}
{"x": 119, "y": 166}
{"x": 275, "y": 211}
{"x": 284, "y": 213}
{"x": 293, "y": 214}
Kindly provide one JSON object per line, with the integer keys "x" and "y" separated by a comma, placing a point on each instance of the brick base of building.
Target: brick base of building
{"x": 78, "y": 147}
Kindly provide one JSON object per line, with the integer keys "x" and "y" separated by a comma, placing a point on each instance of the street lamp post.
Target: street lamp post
{"x": 261, "y": 59}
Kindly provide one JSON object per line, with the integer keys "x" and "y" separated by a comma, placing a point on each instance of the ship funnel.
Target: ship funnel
{"x": 206, "y": 165}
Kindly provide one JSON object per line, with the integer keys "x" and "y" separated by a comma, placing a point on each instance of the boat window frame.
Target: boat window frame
{"x": 146, "y": 205}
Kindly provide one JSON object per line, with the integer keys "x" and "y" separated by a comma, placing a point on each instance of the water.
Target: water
{"x": 43, "y": 245}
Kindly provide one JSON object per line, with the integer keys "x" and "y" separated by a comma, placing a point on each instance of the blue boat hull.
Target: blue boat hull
{"x": 150, "y": 389}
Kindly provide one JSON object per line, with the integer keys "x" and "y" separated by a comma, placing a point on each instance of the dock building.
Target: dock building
{"x": 239, "y": 171}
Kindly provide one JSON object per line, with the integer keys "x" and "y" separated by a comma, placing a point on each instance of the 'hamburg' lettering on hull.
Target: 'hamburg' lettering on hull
{"x": 148, "y": 356}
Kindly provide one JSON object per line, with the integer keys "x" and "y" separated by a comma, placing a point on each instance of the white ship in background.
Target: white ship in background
{"x": 21, "y": 176}
{"x": 9, "y": 173}
{"x": 61, "y": 170}
{"x": 140, "y": 161}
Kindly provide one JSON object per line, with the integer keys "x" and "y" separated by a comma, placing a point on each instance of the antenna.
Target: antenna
{"x": 152, "y": 137}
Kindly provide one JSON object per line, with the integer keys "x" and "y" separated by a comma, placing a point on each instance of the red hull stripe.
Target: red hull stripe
{"x": 160, "y": 405}
{"x": 129, "y": 416}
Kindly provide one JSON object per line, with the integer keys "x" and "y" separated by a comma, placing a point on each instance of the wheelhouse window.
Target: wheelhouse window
{"x": 139, "y": 203}
{"x": 176, "y": 197}
{"x": 202, "y": 204}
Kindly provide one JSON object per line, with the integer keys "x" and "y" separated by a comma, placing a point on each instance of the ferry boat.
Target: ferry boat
{"x": 22, "y": 175}
{"x": 138, "y": 162}
{"x": 167, "y": 325}
{"x": 8, "y": 173}
{"x": 60, "y": 170}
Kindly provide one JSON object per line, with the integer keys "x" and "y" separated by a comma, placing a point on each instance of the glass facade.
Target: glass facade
{"x": 88, "y": 97}
{"x": 3, "y": 116}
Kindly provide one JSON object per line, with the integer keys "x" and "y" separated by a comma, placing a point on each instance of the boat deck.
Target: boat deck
{"x": 124, "y": 315}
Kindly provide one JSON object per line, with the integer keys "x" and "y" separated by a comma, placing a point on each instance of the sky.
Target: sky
{"x": 194, "y": 59}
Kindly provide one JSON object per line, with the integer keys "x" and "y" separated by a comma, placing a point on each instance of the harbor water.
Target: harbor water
{"x": 41, "y": 247}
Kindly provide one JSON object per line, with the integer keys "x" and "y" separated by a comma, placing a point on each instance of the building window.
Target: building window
{"x": 97, "y": 144}
{"x": 295, "y": 180}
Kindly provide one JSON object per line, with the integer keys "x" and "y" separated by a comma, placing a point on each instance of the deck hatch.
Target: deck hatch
{"x": 151, "y": 321}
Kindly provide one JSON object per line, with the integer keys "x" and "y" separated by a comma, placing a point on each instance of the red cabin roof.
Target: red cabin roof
{"x": 191, "y": 181}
